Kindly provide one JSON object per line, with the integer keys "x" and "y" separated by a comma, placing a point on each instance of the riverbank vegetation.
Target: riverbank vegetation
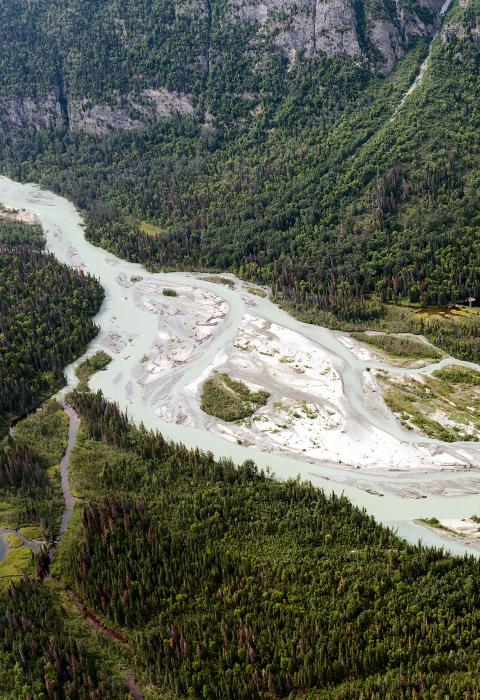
{"x": 227, "y": 584}
{"x": 86, "y": 369}
{"x": 399, "y": 346}
{"x": 18, "y": 561}
{"x": 258, "y": 291}
{"x": 230, "y": 399}
{"x": 444, "y": 406}
{"x": 218, "y": 279}
{"x": 464, "y": 528}
{"x": 457, "y": 374}
{"x": 46, "y": 312}
{"x": 248, "y": 585}
{"x": 458, "y": 336}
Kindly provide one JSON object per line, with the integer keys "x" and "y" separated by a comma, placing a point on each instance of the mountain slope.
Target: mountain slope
{"x": 291, "y": 172}
{"x": 90, "y": 66}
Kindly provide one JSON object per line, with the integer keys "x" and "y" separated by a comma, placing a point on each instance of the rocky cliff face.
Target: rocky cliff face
{"x": 137, "y": 54}
{"x": 377, "y": 33}
{"x": 129, "y": 112}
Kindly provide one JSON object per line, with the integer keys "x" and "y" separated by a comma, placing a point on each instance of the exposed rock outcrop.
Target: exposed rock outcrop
{"x": 41, "y": 114}
{"x": 378, "y": 35}
{"x": 458, "y": 30}
{"x": 99, "y": 119}
{"x": 131, "y": 112}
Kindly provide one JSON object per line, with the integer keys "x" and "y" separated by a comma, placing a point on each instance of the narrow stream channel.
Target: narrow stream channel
{"x": 4, "y": 534}
{"x": 64, "y": 233}
{"x": 68, "y": 498}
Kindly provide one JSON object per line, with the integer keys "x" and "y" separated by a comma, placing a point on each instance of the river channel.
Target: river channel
{"x": 137, "y": 326}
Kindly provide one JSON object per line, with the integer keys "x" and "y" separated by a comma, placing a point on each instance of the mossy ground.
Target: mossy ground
{"x": 150, "y": 229}
{"x": 450, "y": 313}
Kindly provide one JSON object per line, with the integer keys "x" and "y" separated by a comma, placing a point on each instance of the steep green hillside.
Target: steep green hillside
{"x": 315, "y": 190}
{"x": 219, "y": 52}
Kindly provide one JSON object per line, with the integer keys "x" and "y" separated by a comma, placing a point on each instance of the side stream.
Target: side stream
{"x": 69, "y": 499}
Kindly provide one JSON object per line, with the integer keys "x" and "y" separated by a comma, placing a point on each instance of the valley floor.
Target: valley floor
{"x": 325, "y": 416}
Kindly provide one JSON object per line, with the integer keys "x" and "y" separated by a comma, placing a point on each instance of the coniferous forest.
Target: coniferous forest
{"x": 46, "y": 312}
{"x": 217, "y": 582}
{"x": 231, "y": 585}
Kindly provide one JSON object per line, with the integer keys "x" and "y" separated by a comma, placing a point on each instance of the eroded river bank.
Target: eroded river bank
{"x": 164, "y": 346}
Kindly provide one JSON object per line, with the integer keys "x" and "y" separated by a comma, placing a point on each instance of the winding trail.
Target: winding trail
{"x": 73, "y": 426}
{"x": 70, "y": 500}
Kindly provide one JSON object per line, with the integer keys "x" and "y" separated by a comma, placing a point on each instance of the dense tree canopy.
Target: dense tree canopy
{"x": 231, "y": 585}
{"x": 40, "y": 657}
{"x": 223, "y": 582}
{"x": 46, "y": 312}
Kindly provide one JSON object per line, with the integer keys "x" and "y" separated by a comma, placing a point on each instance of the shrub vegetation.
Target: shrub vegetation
{"x": 229, "y": 399}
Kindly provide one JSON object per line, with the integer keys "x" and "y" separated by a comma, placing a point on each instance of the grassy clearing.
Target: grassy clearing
{"x": 435, "y": 406}
{"x": 17, "y": 562}
{"x": 88, "y": 367}
{"x": 400, "y": 346}
{"x": 456, "y": 374}
{"x": 31, "y": 532}
{"x": 45, "y": 433}
{"x": 150, "y": 229}
{"x": 229, "y": 399}
{"x": 449, "y": 313}
{"x": 456, "y": 333}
